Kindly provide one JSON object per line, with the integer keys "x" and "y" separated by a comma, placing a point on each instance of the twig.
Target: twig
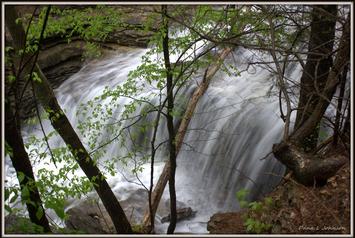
{"x": 267, "y": 155}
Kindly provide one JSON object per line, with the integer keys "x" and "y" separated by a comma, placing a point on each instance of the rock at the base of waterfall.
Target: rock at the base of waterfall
{"x": 226, "y": 223}
{"x": 182, "y": 213}
{"x": 90, "y": 217}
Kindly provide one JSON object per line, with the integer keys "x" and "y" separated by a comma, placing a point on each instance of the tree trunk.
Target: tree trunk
{"x": 341, "y": 60}
{"x": 308, "y": 168}
{"x": 346, "y": 129}
{"x": 337, "y": 125}
{"x": 317, "y": 67}
{"x": 200, "y": 90}
{"x": 22, "y": 164}
{"x": 62, "y": 125}
{"x": 170, "y": 123}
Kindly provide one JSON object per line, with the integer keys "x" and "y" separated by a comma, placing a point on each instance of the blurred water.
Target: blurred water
{"x": 234, "y": 126}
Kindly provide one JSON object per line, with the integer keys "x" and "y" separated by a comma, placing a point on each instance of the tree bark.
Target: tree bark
{"x": 346, "y": 129}
{"x": 307, "y": 169}
{"x": 337, "y": 125}
{"x": 317, "y": 67}
{"x": 170, "y": 122}
{"x": 62, "y": 125}
{"x": 22, "y": 164}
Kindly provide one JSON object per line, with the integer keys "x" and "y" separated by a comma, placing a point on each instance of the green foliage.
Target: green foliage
{"x": 255, "y": 209}
{"x": 241, "y": 197}
{"x": 24, "y": 226}
{"x": 11, "y": 195}
{"x": 11, "y": 78}
{"x": 8, "y": 59}
{"x": 36, "y": 78}
{"x": 57, "y": 185}
{"x": 92, "y": 24}
{"x": 255, "y": 226}
{"x": 137, "y": 228}
{"x": 8, "y": 149}
{"x": 92, "y": 50}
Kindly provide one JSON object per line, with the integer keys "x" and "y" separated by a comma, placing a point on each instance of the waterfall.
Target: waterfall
{"x": 233, "y": 128}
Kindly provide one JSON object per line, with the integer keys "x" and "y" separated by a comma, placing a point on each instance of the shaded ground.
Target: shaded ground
{"x": 297, "y": 209}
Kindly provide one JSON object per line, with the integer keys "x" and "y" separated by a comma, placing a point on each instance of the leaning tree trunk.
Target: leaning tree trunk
{"x": 62, "y": 125}
{"x": 22, "y": 164}
{"x": 316, "y": 70}
{"x": 198, "y": 93}
{"x": 308, "y": 168}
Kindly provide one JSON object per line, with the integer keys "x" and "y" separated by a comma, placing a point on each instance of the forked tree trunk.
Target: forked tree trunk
{"x": 62, "y": 125}
{"x": 198, "y": 93}
{"x": 22, "y": 164}
{"x": 317, "y": 67}
{"x": 341, "y": 60}
{"x": 308, "y": 168}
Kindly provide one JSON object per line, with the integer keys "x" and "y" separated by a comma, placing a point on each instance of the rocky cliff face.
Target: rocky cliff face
{"x": 59, "y": 59}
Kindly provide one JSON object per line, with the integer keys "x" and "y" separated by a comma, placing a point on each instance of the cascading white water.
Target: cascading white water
{"x": 234, "y": 126}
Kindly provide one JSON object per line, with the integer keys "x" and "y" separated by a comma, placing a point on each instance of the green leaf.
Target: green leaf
{"x": 268, "y": 201}
{"x": 7, "y": 194}
{"x": 36, "y": 78}
{"x": 255, "y": 206}
{"x": 59, "y": 209}
{"x": 20, "y": 177}
{"x": 8, "y": 149}
{"x": 11, "y": 78}
{"x": 243, "y": 204}
{"x": 13, "y": 199}
{"x": 249, "y": 223}
{"x": 8, "y": 208}
{"x": 241, "y": 194}
{"x": 39, "y": 213}
{"x": 18, "y": 21}
{"x": 25, "y": 192}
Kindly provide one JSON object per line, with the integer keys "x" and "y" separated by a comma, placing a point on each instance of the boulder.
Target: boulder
{"x": 89, "y": 217}
{"x": 182, "y": 214}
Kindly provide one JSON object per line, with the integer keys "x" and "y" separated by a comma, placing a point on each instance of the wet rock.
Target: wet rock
{"x": 182, "y": 213}
{"x": 134, "y": 205}
{"x": 91, "y": 217}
